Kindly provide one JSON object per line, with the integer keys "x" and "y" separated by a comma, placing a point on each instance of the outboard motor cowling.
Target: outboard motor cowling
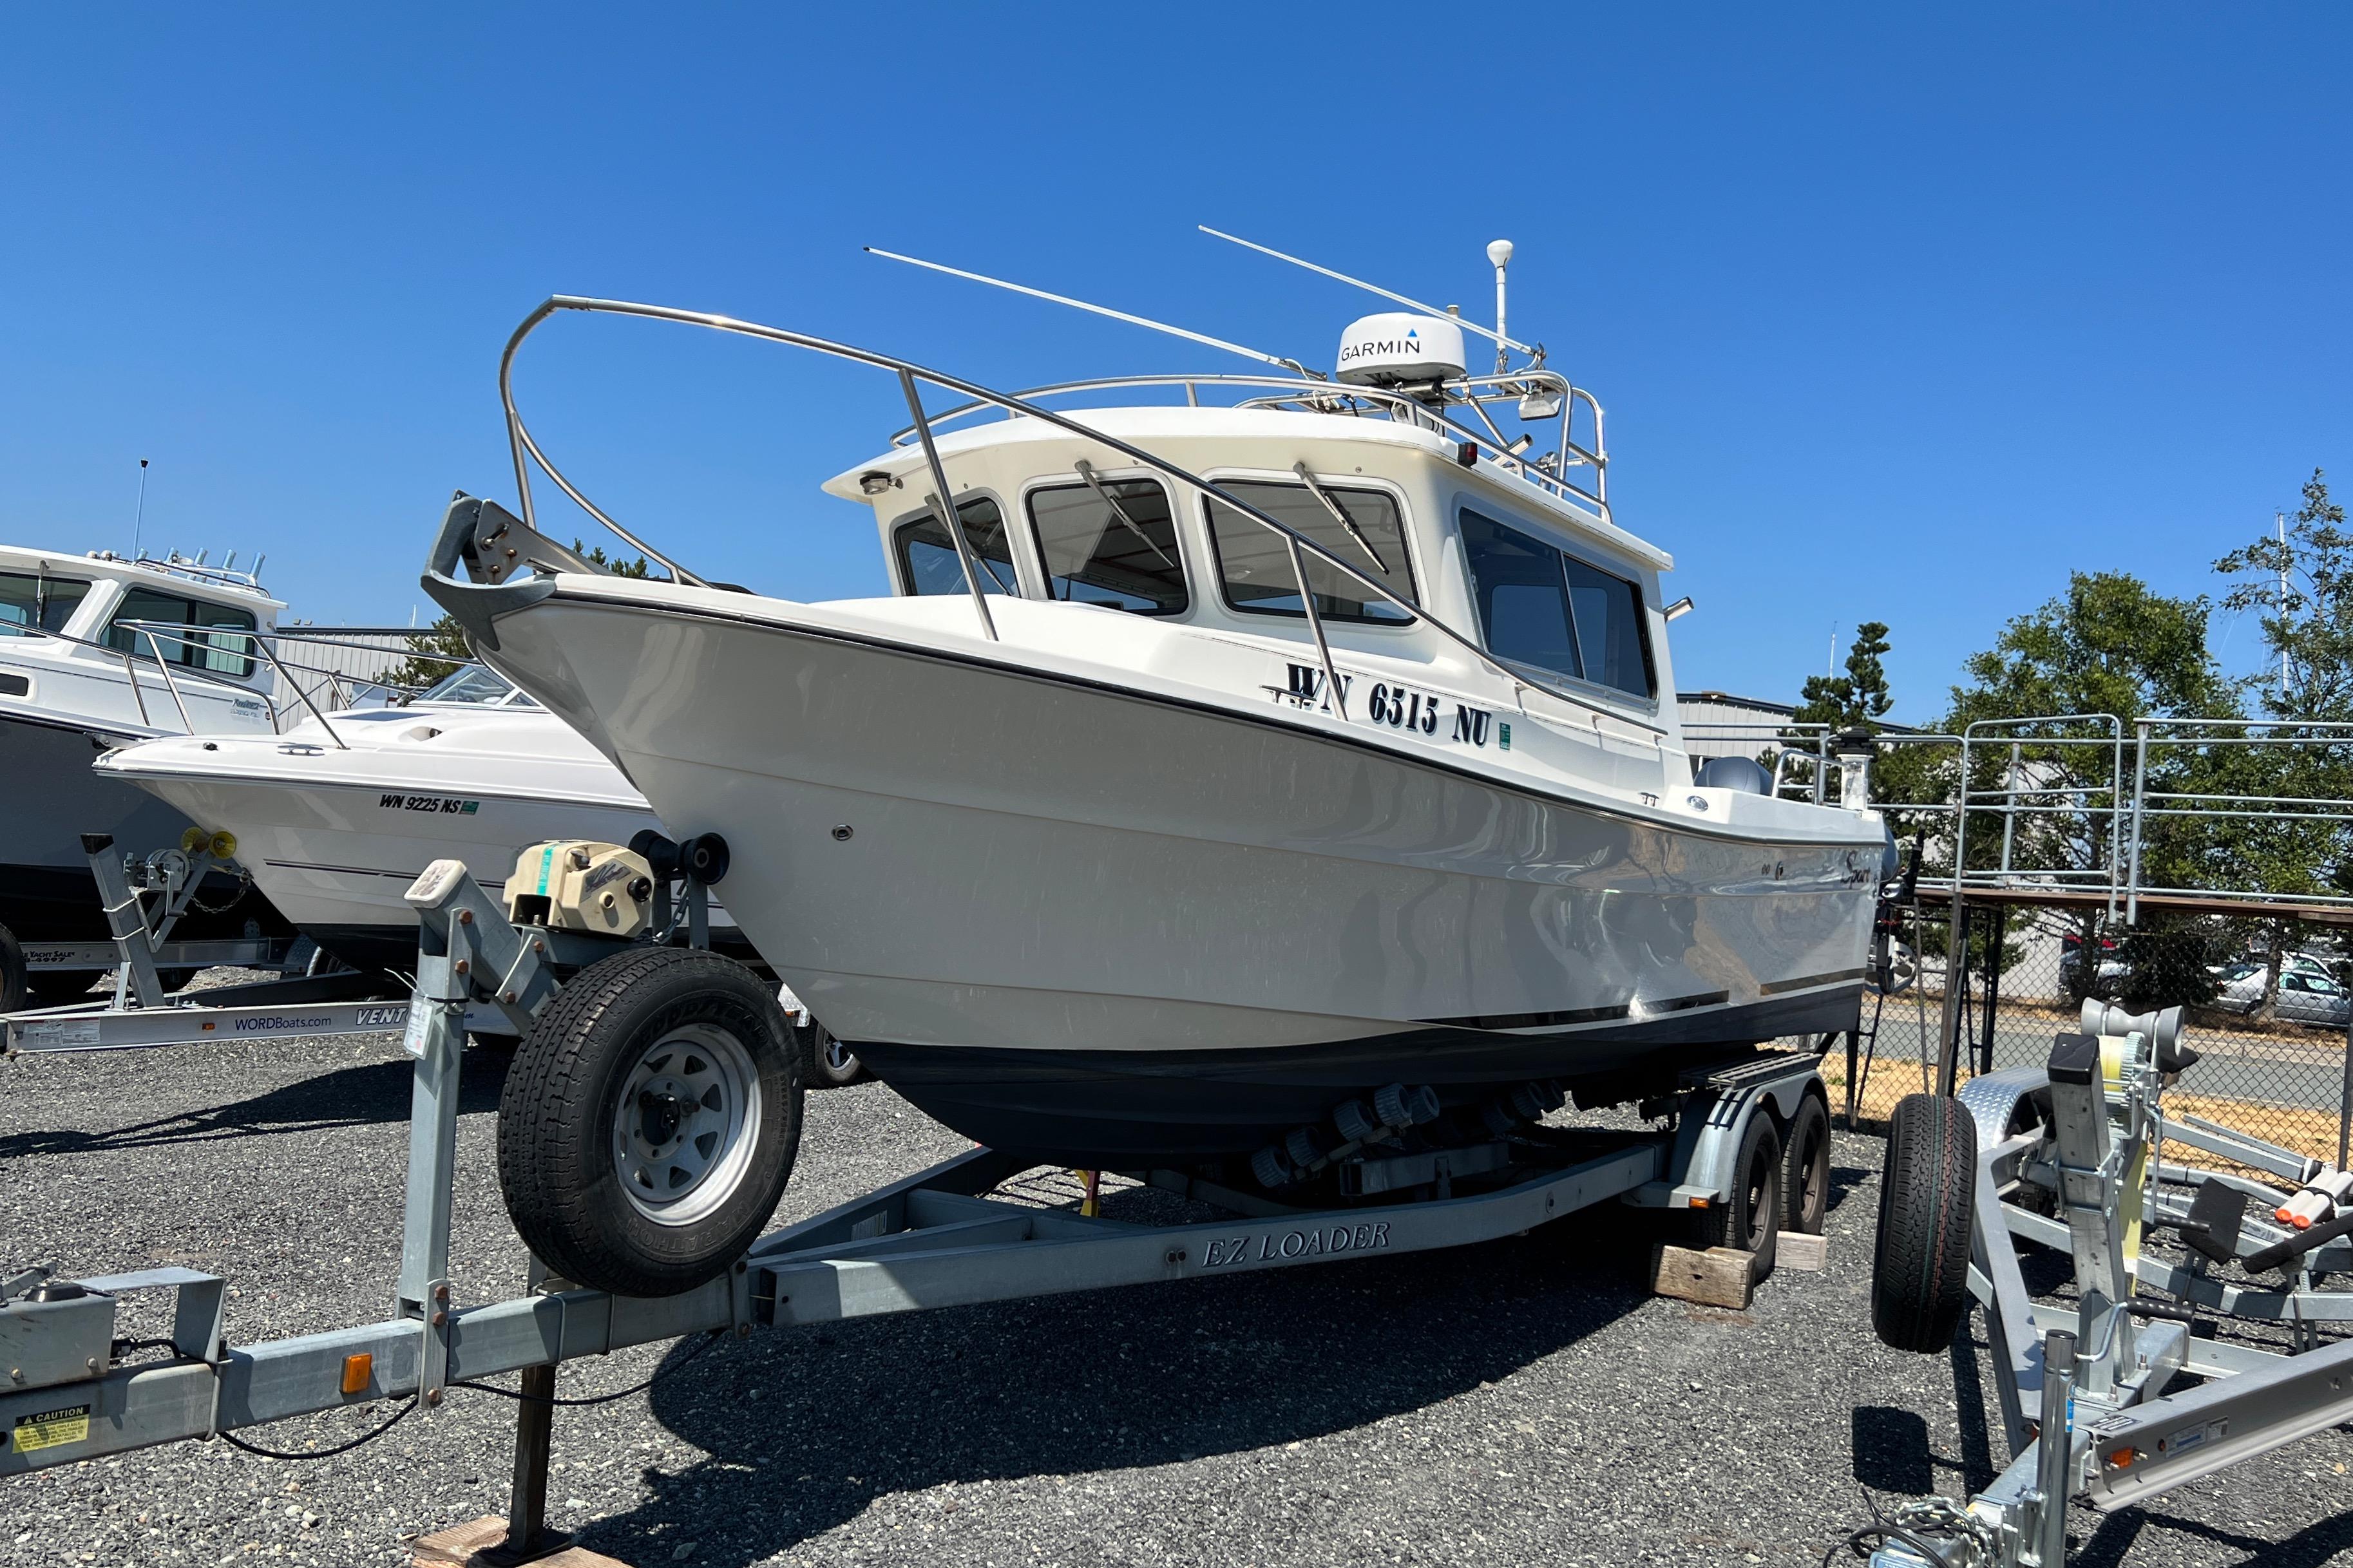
{"x": 1734, "y": 773}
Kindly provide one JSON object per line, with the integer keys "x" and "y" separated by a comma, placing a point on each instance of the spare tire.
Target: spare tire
{"x": 650, "y": 1120}
{"x": 1920, "y": 1266}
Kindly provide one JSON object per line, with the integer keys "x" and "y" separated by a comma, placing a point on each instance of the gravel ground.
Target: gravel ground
{"x": 1519, "y": 1402}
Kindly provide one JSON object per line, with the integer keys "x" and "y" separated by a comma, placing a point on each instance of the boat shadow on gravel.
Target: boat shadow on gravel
{"x": 806, "y": 1428}
{"x": 360, "y": 1096}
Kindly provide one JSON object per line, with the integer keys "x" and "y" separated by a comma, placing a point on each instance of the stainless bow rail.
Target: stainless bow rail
{"x": 526, "y": 453}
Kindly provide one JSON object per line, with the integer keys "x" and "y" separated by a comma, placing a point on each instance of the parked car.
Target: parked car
{"x": 2305, "y": 997}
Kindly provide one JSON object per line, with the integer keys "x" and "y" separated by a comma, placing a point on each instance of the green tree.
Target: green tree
{"x": 2303, "y": 587}
{"x": 2108, "y": 648}
{"x": 1858, "y": 700}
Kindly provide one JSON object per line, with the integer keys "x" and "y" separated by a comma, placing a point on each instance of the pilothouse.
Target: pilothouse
{"x": 1226, "y": 749}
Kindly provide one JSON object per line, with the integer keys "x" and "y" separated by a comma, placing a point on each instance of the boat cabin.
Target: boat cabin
{"x": 1465, "y": 532}
{"x": 70, "y": 644}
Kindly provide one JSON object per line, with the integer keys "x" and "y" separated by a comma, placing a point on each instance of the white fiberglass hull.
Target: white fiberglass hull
{"x": 1066, "y": 915}
{"x": 336, "y": 837}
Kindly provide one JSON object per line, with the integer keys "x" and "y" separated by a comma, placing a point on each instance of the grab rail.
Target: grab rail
{"x": 1335, "y": 397}
{"x": 131, "y": 659}
{"x": 525, "y": 451}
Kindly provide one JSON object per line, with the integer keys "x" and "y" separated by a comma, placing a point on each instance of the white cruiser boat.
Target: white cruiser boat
{"x": 77, "y": 677}
{"x": 1100, "y": 838}
{"x": 337, "y": 816}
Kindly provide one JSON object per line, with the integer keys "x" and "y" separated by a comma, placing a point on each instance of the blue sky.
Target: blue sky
{"x": 1896, "y": 315}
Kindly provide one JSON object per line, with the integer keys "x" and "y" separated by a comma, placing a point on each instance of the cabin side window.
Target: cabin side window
{"x": 30, "y": 600}
{"x": 216, "y": 648}
{"x": 1543, "y": 608}
{"x": 1364, "y": 527}
{"x": 927, "y": 556}
{"x": 1114, "y": 544}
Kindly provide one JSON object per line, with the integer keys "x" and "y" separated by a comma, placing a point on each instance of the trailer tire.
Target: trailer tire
{"x": 13, "y": 973}
{"x": 1806, "y": 1167}
{"x": 1750, "y": 1219}
{"x": 1920, "y": 1264}
{"x": 649, "y": 1121}
{"x": 826, "y": 1062}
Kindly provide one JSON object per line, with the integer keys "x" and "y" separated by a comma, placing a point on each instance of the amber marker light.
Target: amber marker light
{"x": 357, "y": 1372}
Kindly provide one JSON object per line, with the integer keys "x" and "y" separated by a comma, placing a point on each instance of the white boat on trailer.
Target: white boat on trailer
{"x": 97, "y": 651}
{"x": 1213, "y": 764}
{"x": 335, "y": 817}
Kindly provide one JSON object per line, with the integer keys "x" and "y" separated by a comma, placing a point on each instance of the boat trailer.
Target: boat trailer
{"x": 2068, "y": 1156}
{"x": 937, "y": 1238}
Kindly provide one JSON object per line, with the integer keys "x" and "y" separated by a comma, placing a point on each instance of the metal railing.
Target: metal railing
{"x": 368, "y": 657}
{"x": 131, "y": 659}
{"x": 2079, "y": 802}
{"x": 526, "y": 452}
{"x": 1311, "y": 395}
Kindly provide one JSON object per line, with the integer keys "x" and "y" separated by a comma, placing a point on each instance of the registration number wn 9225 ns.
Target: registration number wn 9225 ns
{"x": 443, "y": 804}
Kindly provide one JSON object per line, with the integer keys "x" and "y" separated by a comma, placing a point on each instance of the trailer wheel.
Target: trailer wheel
{"x": 1920, "y": 1266}
{"x": 1750, "y": 1219}
{"x": 649, "y": 1121}
{"x": 13, "y": 973}
{"x": 1806, "y": 1171}
{"x": 826, "y": 1062}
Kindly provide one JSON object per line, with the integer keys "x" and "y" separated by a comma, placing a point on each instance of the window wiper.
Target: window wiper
{"x": 1087, "y": 472}
{"x": 1333, "y": 506}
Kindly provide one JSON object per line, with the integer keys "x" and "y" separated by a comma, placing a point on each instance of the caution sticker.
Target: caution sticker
{"x": 50, "y": 1429}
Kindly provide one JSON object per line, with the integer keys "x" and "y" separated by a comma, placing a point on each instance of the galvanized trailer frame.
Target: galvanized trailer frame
{"x": 933, "y": 1239}
{"x": 2098, "y": 1372}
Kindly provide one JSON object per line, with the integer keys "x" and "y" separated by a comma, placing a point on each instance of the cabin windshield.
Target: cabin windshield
{"x": 1543, "y": 608}
{"x": 1368, "y": 532}
{"x": 1111, "y": 544}
{"x": 927, "y": 556}
{"x": 217, "y": 649}
{"x": 30, "y": 601}
{"x": 475, "y": 684}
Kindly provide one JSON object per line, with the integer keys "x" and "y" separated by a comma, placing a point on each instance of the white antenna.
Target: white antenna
{"x": 1499, "y": 251}
{"x": 1247, "y": 353}
{"x": 1497, "y": 334}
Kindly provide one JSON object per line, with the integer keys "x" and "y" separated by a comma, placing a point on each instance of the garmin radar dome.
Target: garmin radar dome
{"x": 1400, "y": 348}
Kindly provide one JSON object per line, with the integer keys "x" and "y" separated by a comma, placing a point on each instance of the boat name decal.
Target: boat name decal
{"x": 1283, "y": 1247}
{"x": 1398, "y": 707}
{"x": 441, "y": 802}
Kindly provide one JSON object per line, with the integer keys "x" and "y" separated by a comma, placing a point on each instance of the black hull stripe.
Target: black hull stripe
{"x": 1153, "y": 698}
{"x": 1807, "y": 982}
{"x": 1493, "y": 1021}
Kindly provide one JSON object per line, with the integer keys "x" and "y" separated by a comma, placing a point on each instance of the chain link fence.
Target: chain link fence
{"x": 2265, "y": 1006}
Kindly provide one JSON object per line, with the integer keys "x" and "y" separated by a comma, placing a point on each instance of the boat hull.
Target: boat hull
{"x": 49, "y": 798}
{"x": 1083, "y": 921}
{"x": 336, "y": 857}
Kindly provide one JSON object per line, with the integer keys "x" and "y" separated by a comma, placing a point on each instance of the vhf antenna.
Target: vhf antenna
{"x": 1496, "y": 337}
{"x": 1245, "y": 350}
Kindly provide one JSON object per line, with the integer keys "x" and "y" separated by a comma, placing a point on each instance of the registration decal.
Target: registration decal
{"x": 443, "y": 804}
{"x": 1396, "y": 707}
